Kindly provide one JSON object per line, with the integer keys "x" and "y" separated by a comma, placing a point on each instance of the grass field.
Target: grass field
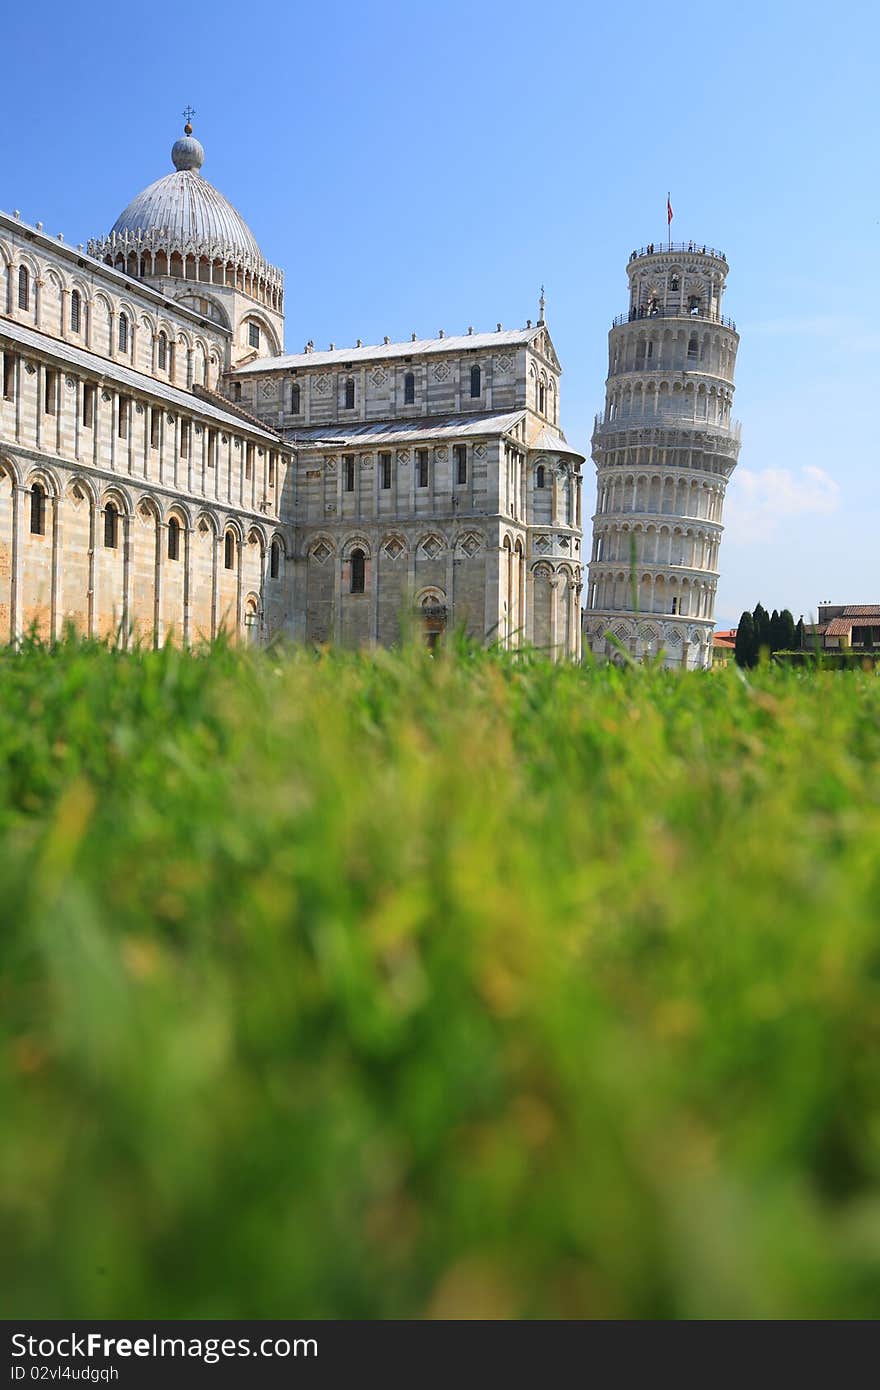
{"x": 388, "y": 986}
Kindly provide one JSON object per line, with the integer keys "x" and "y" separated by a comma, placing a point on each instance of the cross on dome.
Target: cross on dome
{"x": 188, "y": 152}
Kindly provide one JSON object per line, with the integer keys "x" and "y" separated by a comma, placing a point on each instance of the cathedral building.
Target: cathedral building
{"x": 167, "y": 471}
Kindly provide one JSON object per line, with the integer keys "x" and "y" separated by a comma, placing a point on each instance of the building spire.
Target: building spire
{"x": 542, "y": 303}
{"x": 187, "y": 152}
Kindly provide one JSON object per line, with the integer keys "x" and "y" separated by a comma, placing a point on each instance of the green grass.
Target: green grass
{"x": 387, "y": 986}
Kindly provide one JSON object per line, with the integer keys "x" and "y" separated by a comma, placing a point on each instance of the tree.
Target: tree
{"x": 799, "y": 634}
{"x": 745, "y": 648}
{"x": 789, "y": 639}
{"x": 777, "y": 631}
{"x": 761, "y": 619}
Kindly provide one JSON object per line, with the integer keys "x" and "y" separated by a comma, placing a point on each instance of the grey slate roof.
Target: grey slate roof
{"x": 405, "y": 431}
{"x": 137, "y": 382}
{"x": 381, "y": 352}
{"x": 554, "y": 443}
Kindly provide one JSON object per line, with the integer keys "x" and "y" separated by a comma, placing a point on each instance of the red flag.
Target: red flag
{"x": 668, "y": 211}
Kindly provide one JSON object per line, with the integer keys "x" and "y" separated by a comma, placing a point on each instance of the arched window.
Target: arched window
{"x": 409, "y": 388}
{"x": 694, "y": 304}
{"x": 542, "y": 398}
{"x": 38, "y": 510}
{"x": 295, "y": 398}
{"x": 162, "y": 353}
{"x": 357, "y": 565}
{"x": 274, "y": 560}
{"x": 476, "y": 381}
{"x": 692, "y": 350}
{"x": 252, "y": 619}
{"x": 24, "y": 287}
{"x": 349, "y": 393}
{"x": 539, "y": 475}
{"x": 75, "y": 308}
{"x": 349, "y": 472}
{"x": 173, "y": 538}
{"x": 229, "y": 551}
{"x": 111, "y": 526}
{"x": 123, "y": 332}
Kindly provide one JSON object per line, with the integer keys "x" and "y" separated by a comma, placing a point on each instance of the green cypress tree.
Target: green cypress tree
{"x": 776, "y": 631}
{"x": 786, "y": 622}
{"x": 799, "y": 634}
{"x": 761, "y": 620}
{"x": 744, "y": 648}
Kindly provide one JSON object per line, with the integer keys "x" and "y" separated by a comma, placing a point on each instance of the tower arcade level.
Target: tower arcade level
{"x": 664, "y": 448}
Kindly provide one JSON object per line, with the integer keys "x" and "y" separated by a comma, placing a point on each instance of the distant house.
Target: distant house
{"x": 854, "y": 626}
{"x": 723, "y": 647}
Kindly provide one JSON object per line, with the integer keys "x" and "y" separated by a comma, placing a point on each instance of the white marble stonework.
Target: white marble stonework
{"x": 168, "y": 471}
{"x": 664, "y": 449}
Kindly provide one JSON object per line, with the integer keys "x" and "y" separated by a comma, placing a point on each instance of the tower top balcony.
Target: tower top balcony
{"x": 660, "y": 311}
{"x": 678, "y": 248}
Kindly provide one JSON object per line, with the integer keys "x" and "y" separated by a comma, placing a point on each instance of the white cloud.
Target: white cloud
{"x": 758, "y": 501}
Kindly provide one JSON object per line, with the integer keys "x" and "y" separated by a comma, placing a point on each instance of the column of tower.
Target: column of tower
{"x": 664, "y": 449}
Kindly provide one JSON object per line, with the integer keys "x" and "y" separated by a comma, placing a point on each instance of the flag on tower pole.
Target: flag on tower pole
{"x": 669, "y": 219}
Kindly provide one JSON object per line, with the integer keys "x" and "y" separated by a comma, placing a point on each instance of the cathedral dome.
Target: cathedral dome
{"x": 186, "y": 212}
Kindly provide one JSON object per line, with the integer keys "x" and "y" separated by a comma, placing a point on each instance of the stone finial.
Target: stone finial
{"x": 528, "y": 323}
{"x": 332, "y": 347}
{"x": 441, "y": 334}
{"x": 359, "y": 342}
{"x": 470, "y": 330}
{"x": 413, "y": 339}
{"x": 60, "y": 236}
{"x": 39, "y": 226}
{"x": 386, "y": 340}
{"x": 542, "y": 304}
{"x": 498, "y": 328}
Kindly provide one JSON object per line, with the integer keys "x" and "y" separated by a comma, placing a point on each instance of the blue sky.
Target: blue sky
{"x": 422, "y": 167}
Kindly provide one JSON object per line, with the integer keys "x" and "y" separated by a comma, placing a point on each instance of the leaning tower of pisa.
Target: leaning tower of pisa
{"x": 664, "y": 449}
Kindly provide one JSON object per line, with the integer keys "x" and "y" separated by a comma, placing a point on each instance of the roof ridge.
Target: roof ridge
{"x": 205, "y": 391}
{"x": 456, "y": 342}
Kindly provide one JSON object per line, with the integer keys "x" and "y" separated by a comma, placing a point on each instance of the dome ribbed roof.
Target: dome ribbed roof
{"x": 185, "y": 209}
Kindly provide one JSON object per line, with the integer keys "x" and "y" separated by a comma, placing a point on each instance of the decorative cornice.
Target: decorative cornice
{"x": 163, "y": 239}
